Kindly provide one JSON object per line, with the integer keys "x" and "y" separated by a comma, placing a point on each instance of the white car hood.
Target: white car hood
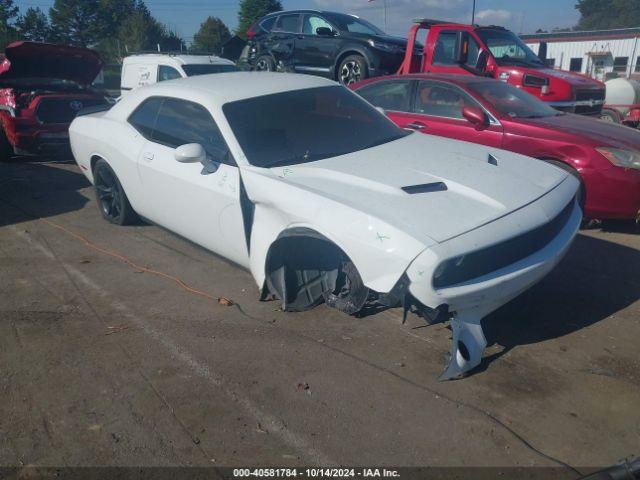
{"x": 478, "y": 192}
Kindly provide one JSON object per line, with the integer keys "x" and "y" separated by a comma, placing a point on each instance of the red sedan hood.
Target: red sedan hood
{"x": 590, "y": 130}
{"x": 45, "y": 60}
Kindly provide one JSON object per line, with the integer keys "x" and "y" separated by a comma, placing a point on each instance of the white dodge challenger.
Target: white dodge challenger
{"x": 323, "y": 198}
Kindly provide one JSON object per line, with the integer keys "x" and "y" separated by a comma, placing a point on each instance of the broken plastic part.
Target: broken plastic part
{"x": 467, "y": 345}
{"x": 349, "y": 294}
{"x": 302, "y": 266}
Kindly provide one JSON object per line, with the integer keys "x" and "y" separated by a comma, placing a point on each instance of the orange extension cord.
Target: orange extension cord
{"x": 90, "y": 244}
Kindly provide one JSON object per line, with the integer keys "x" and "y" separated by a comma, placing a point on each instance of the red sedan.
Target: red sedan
{"x": 605, "y": 156}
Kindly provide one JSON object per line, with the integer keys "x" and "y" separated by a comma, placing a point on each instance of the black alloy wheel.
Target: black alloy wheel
{"x": 112, "y": 201}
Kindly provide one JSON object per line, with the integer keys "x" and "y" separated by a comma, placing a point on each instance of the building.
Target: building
{"x": 601, "y": 54}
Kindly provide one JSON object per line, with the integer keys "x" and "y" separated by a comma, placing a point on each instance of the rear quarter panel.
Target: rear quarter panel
{"x": 99, "y": 136}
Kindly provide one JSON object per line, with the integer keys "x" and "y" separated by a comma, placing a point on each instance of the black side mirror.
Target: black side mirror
{"x": 211, "y": 162}
{"x": 461, "y": 54}
{"x": 324, "y": 31}
{"x": 542, "y": 52}
{"x": 483, "y": 60}
{"x": 209, "y": 166}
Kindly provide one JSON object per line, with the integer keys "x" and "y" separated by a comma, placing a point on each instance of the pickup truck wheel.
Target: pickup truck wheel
{"x": 265, "y": 64}
{"x": 610, "y": 116}
{"x": 112, "y": 201}
{"x": 350, "y": 293}
{"x": 352, "y": 69}
{"x": 5, "y": 148}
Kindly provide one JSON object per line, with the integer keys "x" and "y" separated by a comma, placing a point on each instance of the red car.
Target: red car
{"x": 42, "y": 88}
{"x": 605, "y": 156}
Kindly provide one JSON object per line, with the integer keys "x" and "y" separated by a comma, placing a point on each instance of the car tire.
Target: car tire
{"x": 610, "y": 116}
{"x": 569, "y": 169}
{"x": 352, "y": 69}
{"x": 5, "y": 147}
{"x": 112, "y": 201}
{"x": 350, "y": 293}
{"x": 265, "y": 63}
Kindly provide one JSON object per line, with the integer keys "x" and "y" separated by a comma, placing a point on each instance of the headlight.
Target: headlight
{"x": 387, "y": 47}
{"x": 621, "y": 158}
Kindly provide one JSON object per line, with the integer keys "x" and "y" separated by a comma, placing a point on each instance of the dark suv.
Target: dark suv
{"x": 334, "y": 45}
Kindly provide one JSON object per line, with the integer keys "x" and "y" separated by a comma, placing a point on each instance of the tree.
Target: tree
{"x": 77, "y": 22}
{"x": 33, "y": 25}
{"x": 140, "y": 31}
{"x": 213, "y": 33}
{"x": 252, "y": 10}
{"x": 8, "y": 12}
{"x": 607, "y": 14}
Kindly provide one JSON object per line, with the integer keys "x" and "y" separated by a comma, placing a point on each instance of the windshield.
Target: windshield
{"x": 204, "y": 69}
{"x": 507, "y": 48}
{"x": 512, "y": 101}
{"x": 307, "y": 125}
{"x": 349, "y": 23}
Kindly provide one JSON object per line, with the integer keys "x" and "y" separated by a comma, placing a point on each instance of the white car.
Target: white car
{"x": 323, "y": 198}
{"x": 149, "y": 68}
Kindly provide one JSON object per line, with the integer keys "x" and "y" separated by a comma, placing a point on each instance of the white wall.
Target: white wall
{"x": 563, "y": 52}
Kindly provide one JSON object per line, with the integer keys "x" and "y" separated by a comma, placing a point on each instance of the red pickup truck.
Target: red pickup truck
{"x": 498, "y": 53}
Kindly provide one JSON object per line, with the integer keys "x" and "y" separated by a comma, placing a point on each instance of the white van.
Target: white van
{"x": 146, "y": 69}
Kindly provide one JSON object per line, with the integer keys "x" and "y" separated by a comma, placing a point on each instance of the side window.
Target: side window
{"x": 474, "y": 52}
{"x": 287, "y": 23}
{"x": 312, "y": 23}
{"x": 390, "y": 95}
{"x": 143, "y": 119}
{"x": 167, "y": 73}
{"x": 440, "y": 100}
{"x": 444, "y": 51}
{"x": 180, "y": 122}
{"x": 267, "y": 24}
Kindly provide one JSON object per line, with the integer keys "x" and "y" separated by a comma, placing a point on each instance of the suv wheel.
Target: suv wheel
{"x": 265, "y": 64}
{"x": 352, "y": 69}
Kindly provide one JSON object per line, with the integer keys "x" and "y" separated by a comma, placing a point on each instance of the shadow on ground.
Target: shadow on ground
{"x": 597, "y": 279}
{"x": 38, "y": 189}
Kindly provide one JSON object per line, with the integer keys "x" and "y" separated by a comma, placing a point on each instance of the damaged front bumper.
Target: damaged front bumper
{"x": 472, "y": 289}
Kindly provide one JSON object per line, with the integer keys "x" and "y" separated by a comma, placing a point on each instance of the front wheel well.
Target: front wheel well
{"x": 94, "y": 159}
{"x": 303, "y": 267}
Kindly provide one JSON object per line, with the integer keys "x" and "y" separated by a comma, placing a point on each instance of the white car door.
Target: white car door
{"x": 199, "y": 204}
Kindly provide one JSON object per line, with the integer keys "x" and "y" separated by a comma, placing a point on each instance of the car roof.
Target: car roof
{"x": 444, "y": 77}
{"x": 229, "y": 87}
{"x": 308, "y": 10}
{"x": 178, "y": 59}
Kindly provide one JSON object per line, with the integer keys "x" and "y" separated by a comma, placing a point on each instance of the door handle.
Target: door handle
{"x": 416, "y": 126}
{"x": 147, "y": 156}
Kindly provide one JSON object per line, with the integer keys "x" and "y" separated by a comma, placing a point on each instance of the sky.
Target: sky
{"x": 521, "y": 16}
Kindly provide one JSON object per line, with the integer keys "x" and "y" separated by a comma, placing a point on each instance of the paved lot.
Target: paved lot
{"x": 102, "y": 363}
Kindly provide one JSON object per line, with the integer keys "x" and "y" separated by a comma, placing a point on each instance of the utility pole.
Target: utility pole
{"x": 384, "y": 6}
{"x": 384, "y": 13}
{"x": 473, "y": 13}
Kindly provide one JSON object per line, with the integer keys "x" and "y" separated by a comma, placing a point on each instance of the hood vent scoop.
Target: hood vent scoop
{"x": 492, "y": 160}
{"x": 425, "y": 188}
